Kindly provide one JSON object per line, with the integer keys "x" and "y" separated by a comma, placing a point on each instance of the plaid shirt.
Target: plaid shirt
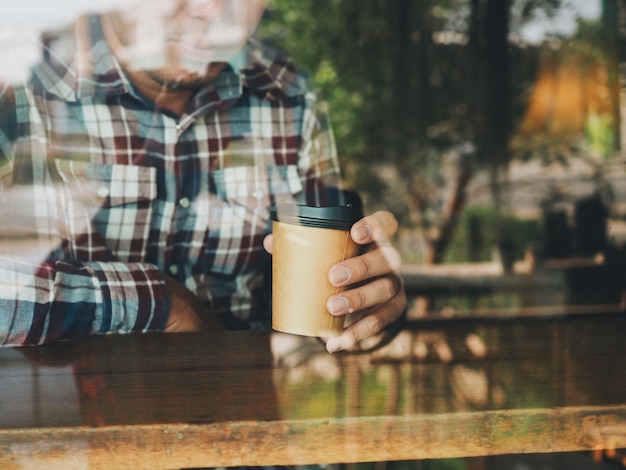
{"x": 118, "y": 192}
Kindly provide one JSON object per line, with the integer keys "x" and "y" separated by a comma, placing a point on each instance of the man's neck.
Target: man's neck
{"x": 166, "y": 96}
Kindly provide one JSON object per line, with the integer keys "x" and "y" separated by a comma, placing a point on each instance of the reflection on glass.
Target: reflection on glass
{"x": 493, "y": 130}
{"x": 143, "y": 144}
{"x": 463, "y": 367}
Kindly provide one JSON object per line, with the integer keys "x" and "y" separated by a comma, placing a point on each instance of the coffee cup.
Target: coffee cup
{"x": 308, "y": 241}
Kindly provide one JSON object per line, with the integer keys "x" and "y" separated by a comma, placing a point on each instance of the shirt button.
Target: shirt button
{"x": 184, "y": 202}
{"x": 103, "y": 192}
{"x": 174, "y": 269}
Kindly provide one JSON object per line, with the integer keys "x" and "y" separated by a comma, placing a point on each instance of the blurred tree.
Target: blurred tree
{"x": 398, "y": 96}
{"x": 423, "y": 93}
{"x": 611, "y": 40}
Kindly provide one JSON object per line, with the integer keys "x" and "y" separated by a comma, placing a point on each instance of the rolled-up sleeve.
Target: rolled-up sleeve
{"x": 69, "y": 300}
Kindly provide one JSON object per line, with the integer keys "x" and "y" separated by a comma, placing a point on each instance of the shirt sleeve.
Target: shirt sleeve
{"x": 318, "y": 163}
{"x": 44, "y": 297}
{"x": 66, "y": 300}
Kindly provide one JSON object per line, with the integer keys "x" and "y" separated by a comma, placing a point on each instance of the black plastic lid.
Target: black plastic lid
{"x": 334, "y": 217}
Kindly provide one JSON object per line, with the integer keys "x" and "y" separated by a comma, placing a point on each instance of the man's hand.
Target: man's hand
{"x": 187, "y": 312}
{"x": 375, "y": 297}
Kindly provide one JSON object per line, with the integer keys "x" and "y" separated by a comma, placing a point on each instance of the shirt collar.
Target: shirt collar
{"x": 89, "y": 69}
{"x": 270, "y": 72}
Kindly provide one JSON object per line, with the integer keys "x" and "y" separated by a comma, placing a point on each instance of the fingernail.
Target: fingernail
{"x": 339, "y": 276}
{"x": 362, "y": 233}
{"x": 334, "y": 345}
{"x": 337, "y": 305}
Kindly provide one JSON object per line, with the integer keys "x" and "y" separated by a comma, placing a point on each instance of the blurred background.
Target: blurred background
{"x": 466, "y": 109}
{"x": 493, "y": 129}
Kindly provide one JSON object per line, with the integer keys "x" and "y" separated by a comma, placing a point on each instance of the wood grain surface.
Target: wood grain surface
{"x": 258, "y": 398}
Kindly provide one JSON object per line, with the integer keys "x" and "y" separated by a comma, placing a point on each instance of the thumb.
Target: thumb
{"x": 268, "y": 243}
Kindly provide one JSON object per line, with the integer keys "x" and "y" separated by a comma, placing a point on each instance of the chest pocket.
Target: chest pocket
{"x": 109, "y": 208}
{"x": 257, "y": 188}
{"x": 237, "y": 214}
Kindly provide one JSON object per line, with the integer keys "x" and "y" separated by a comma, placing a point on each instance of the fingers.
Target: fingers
{"x": 369, "y": 325}
{"x": 268, "y": 243}
{"x": 375, "y": 272}
{"x": 376, "y": 297}
{"x": 379, "y": 226}
{"x": 379, "y": 291}
{"x": 382, "y": 260}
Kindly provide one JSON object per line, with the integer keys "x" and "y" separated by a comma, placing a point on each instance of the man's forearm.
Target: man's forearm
{"x": 66, "y": 300}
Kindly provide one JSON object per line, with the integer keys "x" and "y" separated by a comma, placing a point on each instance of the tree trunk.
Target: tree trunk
{"x": 489, "y": 55}
{"x": 492, "y": 111}
{"x": 612, "y": 13}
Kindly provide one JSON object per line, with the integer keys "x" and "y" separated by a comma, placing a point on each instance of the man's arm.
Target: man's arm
{"x": 46, "y": 298}
{"x": 63, "y": 300}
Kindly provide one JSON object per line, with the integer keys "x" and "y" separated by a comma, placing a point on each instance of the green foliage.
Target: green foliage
{"x": 599, "y": 132}
{"x": 403, "y": 81}
{"x": 324, "y": 400}
{"x": 521, "y": 232}
{"x": 371, "y": 60}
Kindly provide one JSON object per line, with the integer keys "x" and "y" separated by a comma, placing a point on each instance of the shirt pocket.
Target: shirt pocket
{"x": 257, "y": 188}
{"x": 238, "y": 214}
{"x": 109, "y": 207}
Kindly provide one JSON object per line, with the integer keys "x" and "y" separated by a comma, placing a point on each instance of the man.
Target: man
{"x": 153, "y": 142}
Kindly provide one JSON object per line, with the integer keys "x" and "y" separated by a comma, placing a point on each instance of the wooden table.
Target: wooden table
{"x": 466, "y": 388}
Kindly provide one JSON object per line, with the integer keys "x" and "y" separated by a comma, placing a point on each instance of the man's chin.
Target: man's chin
{"x": 182, "y": 81}
{"x": 185, "y": 80}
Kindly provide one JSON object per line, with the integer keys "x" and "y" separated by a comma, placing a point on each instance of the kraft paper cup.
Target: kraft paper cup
{"x": 308, "y": 241}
